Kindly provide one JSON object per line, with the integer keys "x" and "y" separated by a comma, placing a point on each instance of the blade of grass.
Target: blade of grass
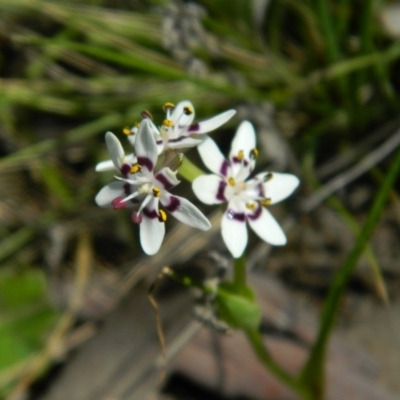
{"x": 313, "y": 372}
{"x": 376, "y": 272}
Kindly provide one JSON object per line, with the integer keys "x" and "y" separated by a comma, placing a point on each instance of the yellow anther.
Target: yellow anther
{"x": 135, "y": 169}
{"x": 253, "y": 154}
{"x": 231, "y": 181}
{"x": 167, "y": 106}
{"x": 240, "y": 155}
{"x": 162, "y": 216}
{"x": 251, "y": 206}
{"x": 266, "y": 202}
{"x": 168, "y": 123}
{"x": 127, "y": 131}
{"x": 156, "y": 192}
{"x": 188, "y": 110}
{"x": 146, "y": 114}
{"x": 137, "y": 124}
{"x": 268, "y": 176}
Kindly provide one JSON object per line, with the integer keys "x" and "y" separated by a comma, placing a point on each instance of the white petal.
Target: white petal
{"x": 234, "y": 230}
{"x": 279, "y": 186}
{"x": 212, "y": 157}
{"x": 244, "y": 140}
{"x": 115, "y": 149}
{"x": 145, "y": 146}
{"x": 266, "y": 227}
{"x": 105, "y": 166}
{"x": 184, "y": 211}
{"x": 183, "y": 142}
{"x": 109, "y": 192}
{"x": 152, "y": 233}
{"x": 179, "y": 117}
{"x": 212, "y": 123}
{"x": 109, "y": 165}
{"x": 209, "y": 189}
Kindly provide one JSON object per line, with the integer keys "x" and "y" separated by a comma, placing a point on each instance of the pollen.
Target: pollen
{"x": 168, "y": 123}
{"x": 253, "y": 154}
{"x": 146, "y": 114}
{"x": 156, "y": 192}
{"x": 251, "y": 206}
{"x": 162, "y": 216}
{"x": 168, "y": 106}
{"x": 268, "y": 176}
{"x": 266, "y": 202}
{"x": 188, "y": 110}
{"x": 231, "y": 181}
{"x": 240, "y": 155}
{"x": 135, "y": 169}
{"x": 127, "y": 131}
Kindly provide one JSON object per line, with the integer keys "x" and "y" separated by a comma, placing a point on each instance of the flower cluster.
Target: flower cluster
{"x": 145, "y": 184}
{"x": 146, "y": 177}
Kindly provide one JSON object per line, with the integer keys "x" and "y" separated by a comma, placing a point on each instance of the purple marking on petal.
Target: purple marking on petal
{"x": 164, "y": 181}
{"x": 158, "y": 142}
{"x": 173, "y": 205}
{"x": 256, "y": 214}
{"x": 118, "y": 203}
{"x": 127, "y": 189}
{"x": 125, "y": 169}
{"x": 194, "y": 127}
{"x": 177, "y": 140}
{"x": 145, "y": 162}
{"x": 261, "y": 191}
{"x": 221, "y": 191}
{"x": 152, "y": 214}
{"x": 241, "y": 217}
{"x": 136, "y": 218}
{"x": 224, "y": 168}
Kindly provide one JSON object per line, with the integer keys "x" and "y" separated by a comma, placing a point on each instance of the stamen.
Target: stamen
{"x": 168, "y": 106}
{"x": 162, "y": 216}
{"x": 188, "y": 110}
{"x": 127, "y": 131}
{"x": 118, "y": 203}
{"x": 156, "y": 192}
{"x": 253, "y": 154}
{"x": 168, "y": 123}
{"x": 231, "y": 181}
{"x": 135, "y": 169}
{"x": 136, "y": 217}
{"x": 146, "y": 114}
{"x": 240, "y": 155}
{"x": 268, "y": 176}
{"x": 266, "y": 202}
{"x": 251, "y": 206}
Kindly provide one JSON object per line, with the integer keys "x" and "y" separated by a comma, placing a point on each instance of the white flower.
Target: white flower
{"x": 178, "y": 130}
{"x": 246, "y": 198}
{"x": 141, "y": 185}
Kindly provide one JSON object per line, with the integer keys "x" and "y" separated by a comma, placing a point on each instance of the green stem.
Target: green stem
{"x": 313, "y": 371}
{"x": 329, "y": 31}
{"x": 256, "y": 341}
{"x": 240, "y": 272}
{"x": 189, "y": 171}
